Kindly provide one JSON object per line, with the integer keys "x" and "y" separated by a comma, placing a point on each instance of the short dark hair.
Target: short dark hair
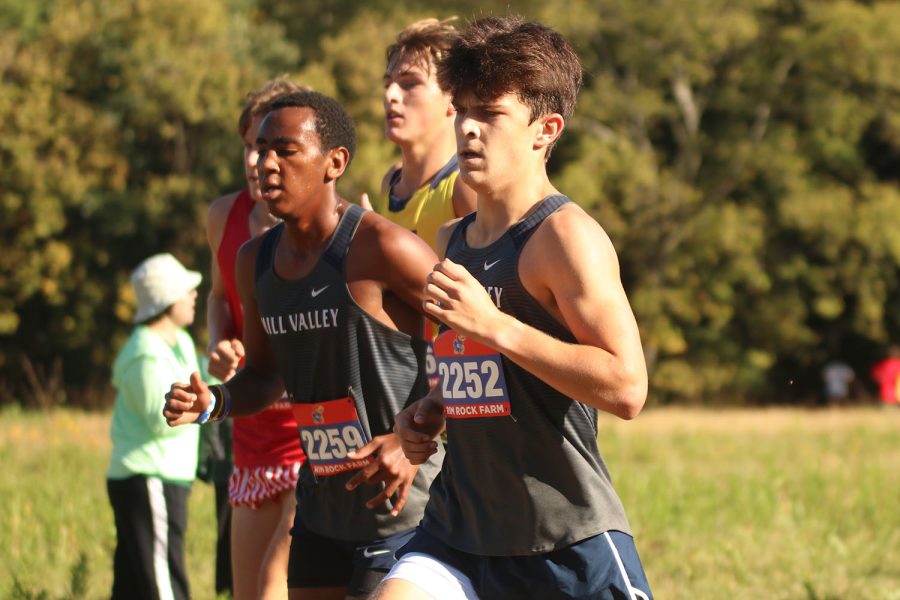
{"x": 167, "y": 311}
{"x": 427, "y": 40}
{"x": 499, "y": 55}
{"x": 333, "y": 124}
{"x": 258, "y": 103}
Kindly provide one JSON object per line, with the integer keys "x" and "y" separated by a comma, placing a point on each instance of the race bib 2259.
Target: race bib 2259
{"x": 328, "y": 432}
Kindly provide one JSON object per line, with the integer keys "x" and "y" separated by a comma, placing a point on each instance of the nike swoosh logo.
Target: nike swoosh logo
{"x": 316, "y": 292}
{"x": 488, "y": 265}
{"x": 370, "y": 553}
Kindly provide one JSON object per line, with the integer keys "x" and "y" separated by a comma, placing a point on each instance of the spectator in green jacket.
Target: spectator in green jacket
{"x": 153, "y": 465}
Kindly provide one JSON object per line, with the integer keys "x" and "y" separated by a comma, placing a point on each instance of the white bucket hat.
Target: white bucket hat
{"x": 159, "y": 282}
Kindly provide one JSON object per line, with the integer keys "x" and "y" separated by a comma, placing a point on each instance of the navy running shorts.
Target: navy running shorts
{"x": 603, "y": 567}
{"x": 317, "y": 561}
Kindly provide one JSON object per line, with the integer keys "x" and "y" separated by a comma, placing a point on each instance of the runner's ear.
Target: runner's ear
{"x": 551, "y": 127}
{"x": 338, "y": 159}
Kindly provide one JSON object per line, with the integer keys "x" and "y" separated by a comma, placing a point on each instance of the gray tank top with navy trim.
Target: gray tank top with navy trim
{"x": 327, "y": 348}
{"x": 533, "y": 481}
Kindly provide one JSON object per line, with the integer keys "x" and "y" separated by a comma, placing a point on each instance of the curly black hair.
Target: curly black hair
{"x": 333, "y": 124}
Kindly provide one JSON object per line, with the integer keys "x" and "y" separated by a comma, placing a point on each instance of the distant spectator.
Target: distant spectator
{"x": 153, "y": 465}
{"x": 886, "y": 373}
{"x": 837, "y": 377}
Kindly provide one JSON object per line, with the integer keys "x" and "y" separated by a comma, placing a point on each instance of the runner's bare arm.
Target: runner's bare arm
{"x": 407, "y": 260}
{"x": 223, "y": 356}
{"x": 397, "y": 261}
{"x": 571, "y": 268}
{"x": 391, "y": 467}
{"x": 418, "y": 425}
{"x": 443, "y": 237}
{"x": 258, "y": 384}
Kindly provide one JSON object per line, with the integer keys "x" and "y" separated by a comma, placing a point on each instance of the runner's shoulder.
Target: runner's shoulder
{"x": 443, "y": 235}
{"x": 570, "y": 237}
{"x": 250, "y": 248}
{"x": 386, "y": 240}
{"x": 217, "y": 213}
{"x": 221, "y": 206}
{"x": 572, "y": 229}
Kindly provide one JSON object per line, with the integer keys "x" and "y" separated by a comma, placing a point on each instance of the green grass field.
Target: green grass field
{"x": 724, "y": 503}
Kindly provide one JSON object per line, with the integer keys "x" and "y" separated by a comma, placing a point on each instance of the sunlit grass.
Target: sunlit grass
{"x": 762, "y": 504}
{"x": 736, "y": 504}
{"x": 55, "y": 508}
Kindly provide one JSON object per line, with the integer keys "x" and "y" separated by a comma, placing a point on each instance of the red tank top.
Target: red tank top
{"x": 269, "y": 438}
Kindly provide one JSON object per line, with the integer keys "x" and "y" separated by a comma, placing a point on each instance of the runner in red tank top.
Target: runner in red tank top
{"x": 267, "y": 452}
{"x": 266, "y": 449}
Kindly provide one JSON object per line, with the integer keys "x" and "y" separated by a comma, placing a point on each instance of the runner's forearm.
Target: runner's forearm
{"x": 252, "y": 391}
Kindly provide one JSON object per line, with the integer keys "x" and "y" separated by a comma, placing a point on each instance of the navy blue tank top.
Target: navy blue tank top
{"x": 523, "y": 473}
{"x": 346, "y": 374}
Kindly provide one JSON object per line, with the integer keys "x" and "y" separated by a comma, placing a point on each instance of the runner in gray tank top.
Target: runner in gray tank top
{"x": 333, "y": 311}
{"x": 538, "y": 336}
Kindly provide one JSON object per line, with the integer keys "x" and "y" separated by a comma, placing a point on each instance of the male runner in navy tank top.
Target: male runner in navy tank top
{"x": 538, "y": 336}
{"x": 267, "y": 452}
{"x": 333, "y": 304}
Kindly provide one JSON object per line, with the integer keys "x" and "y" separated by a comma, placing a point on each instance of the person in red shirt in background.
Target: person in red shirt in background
{"x": 267, "y": 452}
{"x": 886, "y": 373}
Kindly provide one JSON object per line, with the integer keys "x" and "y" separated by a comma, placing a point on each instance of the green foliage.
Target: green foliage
{"x": 725, "y": 147}
{"x": 120, "y": 129}
{"x": 744, "y": 157}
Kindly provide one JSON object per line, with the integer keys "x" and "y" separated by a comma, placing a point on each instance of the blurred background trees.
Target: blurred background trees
{"x": 744, "y": 157}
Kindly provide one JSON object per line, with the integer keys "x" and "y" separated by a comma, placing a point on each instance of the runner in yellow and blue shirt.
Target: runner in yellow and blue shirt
{"x": 424, "y": 192}
{"x": 428, "y": 208}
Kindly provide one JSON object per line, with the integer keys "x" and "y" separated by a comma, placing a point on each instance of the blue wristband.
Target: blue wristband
{"x": 204, "y": 416}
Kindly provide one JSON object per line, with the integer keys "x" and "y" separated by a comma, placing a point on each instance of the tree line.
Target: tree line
{"x": 743, "y": 156}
